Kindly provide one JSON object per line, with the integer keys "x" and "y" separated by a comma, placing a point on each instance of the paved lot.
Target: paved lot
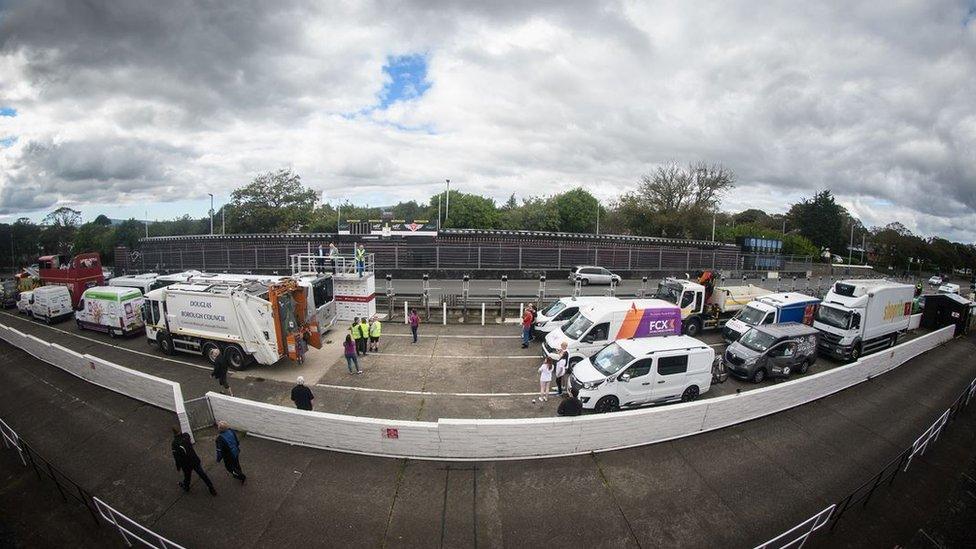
{"x": 737, "y": 486}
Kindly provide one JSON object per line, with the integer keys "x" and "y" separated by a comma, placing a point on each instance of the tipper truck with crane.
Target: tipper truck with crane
{"x": 705, "y": 305}
{"x": 248, "y": 322}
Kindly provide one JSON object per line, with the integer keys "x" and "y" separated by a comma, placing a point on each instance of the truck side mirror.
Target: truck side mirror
{"x": 856, "y": 321}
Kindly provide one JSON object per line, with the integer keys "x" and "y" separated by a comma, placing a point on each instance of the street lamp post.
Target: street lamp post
{"x": 447, "y": 201}
{"x": 211, "y": 213}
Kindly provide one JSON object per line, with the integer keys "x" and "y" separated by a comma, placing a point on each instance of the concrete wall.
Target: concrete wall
{"x": 143, "y": 387}
{"x": 465, "y": 439}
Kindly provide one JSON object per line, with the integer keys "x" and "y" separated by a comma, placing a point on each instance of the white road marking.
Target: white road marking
{"x": 114, "y": 346}
{"x": 533, "y": 357}
{"x": 458, "y": 336}
{"x": 420, "y": 393}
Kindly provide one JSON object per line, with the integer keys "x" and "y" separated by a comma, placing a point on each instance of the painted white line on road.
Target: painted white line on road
{"x": 458, "y": 336}
{"x": 112, "y": 345}
{"x": 533, "y": 357}
{"x": 421, "y": 393}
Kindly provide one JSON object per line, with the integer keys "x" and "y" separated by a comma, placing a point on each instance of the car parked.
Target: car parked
{"x": 772, "y": 350}
{"x": 936, "y": 280}
{"x": 590, "y": 274}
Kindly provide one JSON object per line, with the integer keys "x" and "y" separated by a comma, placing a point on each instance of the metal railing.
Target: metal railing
{"x": 340, "y": 264}
{"x": 11, "y": 440}
{"x": 131, "y": 530}
{"x": 799, "y": 534}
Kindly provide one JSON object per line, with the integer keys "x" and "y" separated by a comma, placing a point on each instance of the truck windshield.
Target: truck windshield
{"x": 757, "y": 341}
{"x": 669, "y": 293}
{"x": 751, "y": 315}
{"x": 833, "y": 317}
{"x": 575, "y": 328}
{"x": 553, "y": 309}
{"x": 611, "y": 359}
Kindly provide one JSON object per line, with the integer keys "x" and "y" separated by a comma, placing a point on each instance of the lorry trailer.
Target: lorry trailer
{"x": 248, "y": 322}
{"x": 858, "y": 317}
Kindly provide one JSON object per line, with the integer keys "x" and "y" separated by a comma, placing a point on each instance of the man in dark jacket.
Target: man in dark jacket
{"x": 219, "y": 360}
{"x": 301, "y": 395}
{"x": 229, "y": 451}
{"x": 571, "y": 406}
{"x": 187, "y": 460}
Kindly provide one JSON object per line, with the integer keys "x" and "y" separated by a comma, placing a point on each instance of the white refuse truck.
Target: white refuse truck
{"x": 248, "y": 322}
{"x": 704, "y": 305}
{"x": 595, "y": 326}
{"x": 858, "y": 317}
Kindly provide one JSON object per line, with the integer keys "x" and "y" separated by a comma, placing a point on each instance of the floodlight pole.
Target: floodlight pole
{"x": 211, "y": 213}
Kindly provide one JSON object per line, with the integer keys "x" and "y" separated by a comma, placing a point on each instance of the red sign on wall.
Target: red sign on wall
{"x": 390, "y": 432}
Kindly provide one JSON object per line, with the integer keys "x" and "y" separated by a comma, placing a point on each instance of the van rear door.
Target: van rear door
{"x": 670, "y": 375}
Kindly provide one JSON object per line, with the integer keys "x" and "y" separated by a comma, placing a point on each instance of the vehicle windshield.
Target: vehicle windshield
{"x": 757, "y": 341}
{"x": 833, "y": 317}
{"x": 611, "y": 359}
{"x": 553, "y": 309}
{"x": 668, "y": 292}
{"x": 751, "y": 315}
{"x": 577, "y": 326}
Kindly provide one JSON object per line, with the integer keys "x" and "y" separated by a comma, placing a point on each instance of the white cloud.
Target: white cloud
{"x": 133, "y": 103}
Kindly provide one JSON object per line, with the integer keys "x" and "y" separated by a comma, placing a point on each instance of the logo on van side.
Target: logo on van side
{"x": 895, "y": 310}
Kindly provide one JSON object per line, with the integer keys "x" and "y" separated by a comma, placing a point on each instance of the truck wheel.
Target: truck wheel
{"x": 856, "y": 351}
{"x": 166, "y": 344}
{"x": 805, "y": 366}
{"x": 606, "y": 404}
{"x": 759, "y": 376}
{"x": 691, "y": 393}
{"x": 205, "y": 350}
{"x": 235, "y": 357}
{"x": 693, "y": 327}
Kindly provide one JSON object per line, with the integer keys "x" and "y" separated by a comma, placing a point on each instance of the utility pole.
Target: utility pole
{"x": 784, "y": 226}
{"x": 147, "y": 223}
{"x": 223, "y": 219}
{"x": 850, "y": 247}
{"x": 447, "y": 201}
{"x": 338, "y": 216}
{"x": 438, "y": 212}
{"x": 211, "y": 213}
{"x": 598, "y": 219}
{"x": 862, "y": 249}
{"x": 713, "y": 227}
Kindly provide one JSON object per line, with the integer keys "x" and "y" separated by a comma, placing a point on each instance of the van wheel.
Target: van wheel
{"x": 166, "y": 344}
{"x": 693, "y": 327}
{"x": 235, "y": 357}
{"x": 205, "y": 351}
{"x": 112, "y": 334}
{"x": 691, "y": 393}
{"x": 759, "y": 376}
{"x": 80, "y": 325}
{"x": 805, "y": 366}
{"x": 787, "y": 370}
{"x": 606, "y": 404}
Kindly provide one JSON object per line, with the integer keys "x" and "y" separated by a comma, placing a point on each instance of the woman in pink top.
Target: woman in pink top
{"x": 414, "y": 320}
{"x": 349, "y": 350}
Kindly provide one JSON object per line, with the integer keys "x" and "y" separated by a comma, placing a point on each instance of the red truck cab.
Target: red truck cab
{"x": 78, "y": 273}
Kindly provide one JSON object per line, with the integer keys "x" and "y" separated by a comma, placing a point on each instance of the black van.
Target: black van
{"x": 772, "y": 350}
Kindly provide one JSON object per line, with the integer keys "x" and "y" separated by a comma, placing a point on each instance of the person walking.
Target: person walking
{"x": 375, "y": 329}
{"x": 364, "y": 334}
{"x": 320, "y": 259}
{"x": 561, "y": 363}
{"x": 357, "y": 336}
{"x": 187, "y": 460}
{"x": 545, "y": 378}
{"x": 349, "y": 351}
{"x": 414, "y": 320}
{"x": 333, "y": 256}
{"x": 571, "y": 406}
{"x": 229, "y": 451}
{"x": 301, "y": 347}
{"x": 301, "y": 395}
{"x": 219, "y": 372}
{"x": 526, "y": 326}
{"x": 360, "y": 260}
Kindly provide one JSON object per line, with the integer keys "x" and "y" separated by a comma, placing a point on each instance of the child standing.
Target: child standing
{"x": 545, "y": 378}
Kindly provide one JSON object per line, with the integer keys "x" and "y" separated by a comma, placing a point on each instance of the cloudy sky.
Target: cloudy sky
{"x": 120, "y": 107}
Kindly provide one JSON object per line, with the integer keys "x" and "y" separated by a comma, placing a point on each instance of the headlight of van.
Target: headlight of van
{"x": 593, "y": 384}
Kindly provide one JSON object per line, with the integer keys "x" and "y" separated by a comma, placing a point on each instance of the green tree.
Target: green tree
{"x": 468, "y": 211}
{"x": 59, "y": 230}
{"x": 577, "y": 211}
{"x": 273, "y": 202}
{"x": 821, "y": 220}
{"x": 102, "y": 220}
{"x": 94, "y": 237}
{"x": 535, "y": 214}
{"x": 128, "y": 233}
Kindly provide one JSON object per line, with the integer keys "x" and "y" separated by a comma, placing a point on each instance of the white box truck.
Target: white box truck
{"x": 597, "y": 325}
{"x": 704, "y": 305}
{"x": 858, "y": 317}
{"x": 114, "y": 310}
{"x": 248, "y": 322}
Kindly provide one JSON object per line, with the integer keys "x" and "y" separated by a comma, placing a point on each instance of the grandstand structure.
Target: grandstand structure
{"x": 480, "y": 253}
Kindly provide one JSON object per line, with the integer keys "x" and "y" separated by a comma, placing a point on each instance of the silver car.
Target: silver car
{"x": 589, "y": 274}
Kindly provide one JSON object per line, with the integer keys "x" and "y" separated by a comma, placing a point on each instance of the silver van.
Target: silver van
{"x": 772, "y": 350}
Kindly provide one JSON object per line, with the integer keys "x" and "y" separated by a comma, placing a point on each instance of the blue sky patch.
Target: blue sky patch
{"x": 8, "y": 111}
{"x": 7, "y": 141}
{"x": 407, "y": 79}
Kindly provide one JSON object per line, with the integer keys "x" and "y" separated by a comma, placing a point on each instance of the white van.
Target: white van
{"x": 144, "y": 282}
{"x": 561, "y": 311}
{"x": 115, "y": 310}
{"x": 51, "y": 304}
{"x": 24, "y": 302}
{"x": 638, "y": 372}
{"x": 595, "y": 326}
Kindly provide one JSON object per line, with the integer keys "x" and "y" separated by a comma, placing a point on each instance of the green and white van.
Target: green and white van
{"x": 111, "y": 309}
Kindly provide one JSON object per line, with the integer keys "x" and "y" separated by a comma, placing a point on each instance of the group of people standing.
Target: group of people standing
{"x": 228, "y": 448}
{"x": 359, "y": 255}
{"x": 558, "y": 369}
{"x": 363, "y": 338}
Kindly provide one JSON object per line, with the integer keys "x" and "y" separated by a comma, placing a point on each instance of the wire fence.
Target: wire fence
{"x": 861, "y": 496}
{"x": 70, "y": 490}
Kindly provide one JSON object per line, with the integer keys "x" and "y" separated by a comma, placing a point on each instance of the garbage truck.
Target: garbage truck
{"x": 858, "y": 317}
{"x": 771, "y": 309}
{"x": 704, "y": 305}
{"x": 247, "y": 321}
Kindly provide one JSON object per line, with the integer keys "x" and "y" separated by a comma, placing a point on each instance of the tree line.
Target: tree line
{"x": 674, "y": 200}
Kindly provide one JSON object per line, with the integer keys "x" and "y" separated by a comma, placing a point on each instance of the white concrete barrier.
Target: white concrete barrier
{"x": 494, "y": 439}
{"x": 140, "y": 386}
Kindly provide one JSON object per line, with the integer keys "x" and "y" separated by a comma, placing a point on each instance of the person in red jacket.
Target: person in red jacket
{"x": 527, "y": 318}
